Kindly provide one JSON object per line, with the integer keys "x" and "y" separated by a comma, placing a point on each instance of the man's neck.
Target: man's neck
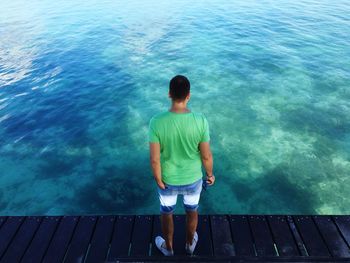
{"x": 179, "y": 107}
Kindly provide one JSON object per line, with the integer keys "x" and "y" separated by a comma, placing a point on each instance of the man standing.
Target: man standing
{"x": 179, "y": 144}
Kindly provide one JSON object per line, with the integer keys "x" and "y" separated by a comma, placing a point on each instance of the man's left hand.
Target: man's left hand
{"x": 161, "y": 184}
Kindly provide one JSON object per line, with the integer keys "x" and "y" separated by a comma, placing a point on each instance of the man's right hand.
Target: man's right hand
{"x": 210, "y": 179}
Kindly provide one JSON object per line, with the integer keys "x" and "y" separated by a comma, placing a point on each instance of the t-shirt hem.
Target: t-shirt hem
{"x": 190, "y": 181}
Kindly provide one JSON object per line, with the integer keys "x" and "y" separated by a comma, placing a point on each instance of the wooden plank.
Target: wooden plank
{"x": 204, "y": 246}
{"x": 157, "y": 231}
{"x": 335, "y": 243}
{"x": 241, "y": 234}
{"x": 121, "y": 237}
{"x": 2, "y": 220}
{"x": 8, "y": 231}
{"x": 141, "y": 236}
{"x": 264, "y": 244}
{"x": 282, "y": 235}
{"x": 179, "y": 235}
{"x": 311, "y": 236}
{"x": 41, "y": 240}
{"x": 60, "y": 240}
{"x": 221, "y": 235}
{"x": 296, "y": 235}
{"x": 100, "y": 240}
{"x": 80, "y": 241}
{"x": 343, "y": 223}
{"x": 22, "y": 239}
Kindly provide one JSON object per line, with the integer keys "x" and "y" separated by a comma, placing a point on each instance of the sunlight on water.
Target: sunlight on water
{"x": 79, "y": 81}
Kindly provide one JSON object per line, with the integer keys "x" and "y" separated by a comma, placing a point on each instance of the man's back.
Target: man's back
{"x": 179, "y": 135}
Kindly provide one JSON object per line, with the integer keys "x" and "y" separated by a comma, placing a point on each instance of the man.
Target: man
{"x": 179, "y": 144}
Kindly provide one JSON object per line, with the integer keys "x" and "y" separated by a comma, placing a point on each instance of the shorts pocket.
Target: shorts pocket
{"x": 194, "y": 188}
{"x": 167, "y": 191}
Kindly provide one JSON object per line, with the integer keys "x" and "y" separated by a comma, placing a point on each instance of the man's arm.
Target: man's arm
{"x": 155, "y": 163}
{"x": 207, "y": 160}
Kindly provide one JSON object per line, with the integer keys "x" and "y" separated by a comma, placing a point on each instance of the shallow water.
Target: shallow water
{"x": 81, "y": 79}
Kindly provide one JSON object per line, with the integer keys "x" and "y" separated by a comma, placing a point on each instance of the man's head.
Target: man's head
{"x": 179, "y": 88}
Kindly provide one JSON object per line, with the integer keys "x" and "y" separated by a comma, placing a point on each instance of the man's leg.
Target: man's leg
{"x": 167, "y": 206}
{"x": 191, "y": 200}
{"x": 191, "y": 225}
{"x": 168, "y": 229}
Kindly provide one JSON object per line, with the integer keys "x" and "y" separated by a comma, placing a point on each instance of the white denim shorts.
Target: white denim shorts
{"x": 168, "y": 196}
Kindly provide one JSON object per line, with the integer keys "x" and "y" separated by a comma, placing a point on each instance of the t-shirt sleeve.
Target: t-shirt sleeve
{"x": 205, "y": 136}
{"x": 152, "y": 133}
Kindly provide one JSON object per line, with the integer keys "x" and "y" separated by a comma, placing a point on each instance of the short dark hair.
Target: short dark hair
{"x": 179, "y": 87}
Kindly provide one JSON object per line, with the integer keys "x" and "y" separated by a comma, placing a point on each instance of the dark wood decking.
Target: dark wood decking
{"x": 259, "y": 238}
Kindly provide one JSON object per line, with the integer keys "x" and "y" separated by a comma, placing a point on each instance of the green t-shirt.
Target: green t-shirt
{"x": 179, "y": 135}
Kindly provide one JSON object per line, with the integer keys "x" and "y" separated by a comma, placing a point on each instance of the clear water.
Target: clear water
{"x": 81, "y": 79}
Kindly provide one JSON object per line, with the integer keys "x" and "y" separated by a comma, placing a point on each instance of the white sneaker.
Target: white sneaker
{"x": 160, "y": 243}
{"x": 190, "y": 248}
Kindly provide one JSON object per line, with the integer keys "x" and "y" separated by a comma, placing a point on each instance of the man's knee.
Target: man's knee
{"x": 191, "y": 208}
{"x": 167, "y": 210}
{"x": 191, "y": 202}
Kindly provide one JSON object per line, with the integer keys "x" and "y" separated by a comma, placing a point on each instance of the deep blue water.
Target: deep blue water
{"x": 79, "y": 81}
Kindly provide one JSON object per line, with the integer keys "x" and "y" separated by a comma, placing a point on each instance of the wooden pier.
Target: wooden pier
{"x": 222, "y": 238}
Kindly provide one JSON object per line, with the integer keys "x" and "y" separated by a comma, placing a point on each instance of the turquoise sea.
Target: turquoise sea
{"x": 79, "y": 81}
